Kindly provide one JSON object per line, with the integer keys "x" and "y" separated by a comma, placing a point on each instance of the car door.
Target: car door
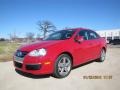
{"x": 83, "y": 49}
{"x": 94, "y": 40}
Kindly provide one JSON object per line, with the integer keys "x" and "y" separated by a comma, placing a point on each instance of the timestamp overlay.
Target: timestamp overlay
{"x": 107, "y": 77}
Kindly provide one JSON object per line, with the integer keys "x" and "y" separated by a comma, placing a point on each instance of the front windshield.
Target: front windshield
{"x": 60, "y": 35}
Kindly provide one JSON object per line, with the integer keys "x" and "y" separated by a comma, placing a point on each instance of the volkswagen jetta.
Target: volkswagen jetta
{"x": 58, "y": 53}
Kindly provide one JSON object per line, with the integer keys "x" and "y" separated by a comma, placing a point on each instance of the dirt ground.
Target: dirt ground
{"x": 93, "y": 76}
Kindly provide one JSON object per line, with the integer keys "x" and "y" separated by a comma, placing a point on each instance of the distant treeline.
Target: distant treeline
{"x": 2, "y": 39}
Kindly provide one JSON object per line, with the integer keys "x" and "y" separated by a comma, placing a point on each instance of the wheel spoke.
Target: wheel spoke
{"x": 60, "y": 65}
{"x": 61, "y": 71}
{"x": 66, "y": 69}
{"x": 64, "y": 60}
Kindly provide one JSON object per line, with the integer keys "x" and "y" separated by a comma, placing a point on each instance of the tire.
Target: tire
{"x": 63, "y": 66}
{"x": 102, "y": 56}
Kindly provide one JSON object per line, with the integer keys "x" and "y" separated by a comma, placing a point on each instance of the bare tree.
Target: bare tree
{"x": 13, "y": 36}
{"x": 45, "y": 27}
{"x": 30, "y": 35}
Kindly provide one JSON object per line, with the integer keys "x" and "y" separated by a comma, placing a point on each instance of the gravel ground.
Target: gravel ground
{"x": 92, "y": 76}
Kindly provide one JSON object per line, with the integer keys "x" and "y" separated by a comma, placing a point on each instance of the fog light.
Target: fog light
{"x": 46, "y": 63}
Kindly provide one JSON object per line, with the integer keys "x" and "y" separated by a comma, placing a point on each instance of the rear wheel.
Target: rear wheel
{"x": 63, "y": 66}
{"x": 102, "y": 55}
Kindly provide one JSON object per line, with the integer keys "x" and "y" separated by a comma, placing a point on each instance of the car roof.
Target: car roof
{"x": 77, "y": 28}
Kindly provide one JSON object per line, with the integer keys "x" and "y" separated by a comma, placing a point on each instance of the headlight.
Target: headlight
{"x": 38, "y": 52}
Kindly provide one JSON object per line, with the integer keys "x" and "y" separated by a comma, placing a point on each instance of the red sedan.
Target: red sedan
{"x": 58, "y": 53}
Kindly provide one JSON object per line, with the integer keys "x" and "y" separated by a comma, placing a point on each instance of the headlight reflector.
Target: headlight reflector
{"x": 38, "y": 52}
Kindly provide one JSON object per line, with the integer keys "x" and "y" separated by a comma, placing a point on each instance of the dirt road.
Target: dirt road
{"x": 81, "y": 78}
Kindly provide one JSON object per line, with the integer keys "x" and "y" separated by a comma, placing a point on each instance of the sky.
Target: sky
{"x": 21, "y": 16}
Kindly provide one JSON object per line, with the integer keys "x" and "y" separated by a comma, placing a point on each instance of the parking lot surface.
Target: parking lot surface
{"x": 92, "y": 76}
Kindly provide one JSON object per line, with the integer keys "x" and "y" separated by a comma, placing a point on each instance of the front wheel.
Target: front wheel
{"x": 63, "y": 66}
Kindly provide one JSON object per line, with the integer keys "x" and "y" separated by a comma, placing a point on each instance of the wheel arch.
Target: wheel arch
{"x": 68, "y": 53}
{"x": 104, "y": 48}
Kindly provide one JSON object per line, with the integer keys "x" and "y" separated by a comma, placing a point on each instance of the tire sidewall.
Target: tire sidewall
{"x": 101, "y": 60}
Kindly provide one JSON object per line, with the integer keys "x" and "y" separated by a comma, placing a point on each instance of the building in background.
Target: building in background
{"x": 109, "y": 34}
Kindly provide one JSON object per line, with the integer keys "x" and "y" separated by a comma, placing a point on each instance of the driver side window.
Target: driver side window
{"x": 84, "y": 33}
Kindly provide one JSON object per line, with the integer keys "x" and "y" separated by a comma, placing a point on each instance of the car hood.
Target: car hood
{"x": 38, "y": 45}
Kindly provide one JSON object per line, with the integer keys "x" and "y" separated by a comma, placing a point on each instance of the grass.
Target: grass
{"x": 7, "y": 50}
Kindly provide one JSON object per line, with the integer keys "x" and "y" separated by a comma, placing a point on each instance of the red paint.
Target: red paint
{"x": 80, "y": 52}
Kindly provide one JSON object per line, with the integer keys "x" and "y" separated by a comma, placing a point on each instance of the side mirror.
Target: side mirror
{"x": 79, "y": 39}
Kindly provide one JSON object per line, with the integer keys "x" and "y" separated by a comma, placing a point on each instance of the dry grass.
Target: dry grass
{"x": 7, "y": 50}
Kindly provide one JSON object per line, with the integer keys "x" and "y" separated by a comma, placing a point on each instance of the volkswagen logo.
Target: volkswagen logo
{"x": 19, "y": 54}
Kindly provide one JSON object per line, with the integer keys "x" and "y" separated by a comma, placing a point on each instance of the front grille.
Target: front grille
{"x": 33, "y": 67}
{"x": 21, "y": 54}
{"x": 18, "y": 65}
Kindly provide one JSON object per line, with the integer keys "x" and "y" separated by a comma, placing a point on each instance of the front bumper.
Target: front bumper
{"x": 34, "y": 65}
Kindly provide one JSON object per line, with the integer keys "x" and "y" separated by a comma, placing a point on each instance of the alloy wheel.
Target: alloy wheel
{"x": 64, "y": 66}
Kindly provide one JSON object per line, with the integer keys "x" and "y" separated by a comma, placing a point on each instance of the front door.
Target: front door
{"x": 83, "y": 49}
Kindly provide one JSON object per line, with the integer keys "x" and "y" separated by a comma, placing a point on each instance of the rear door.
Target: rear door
{"x": 94, "y": 40}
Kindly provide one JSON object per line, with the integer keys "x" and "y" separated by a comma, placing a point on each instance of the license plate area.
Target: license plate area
{"x": 18, "y": 59}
